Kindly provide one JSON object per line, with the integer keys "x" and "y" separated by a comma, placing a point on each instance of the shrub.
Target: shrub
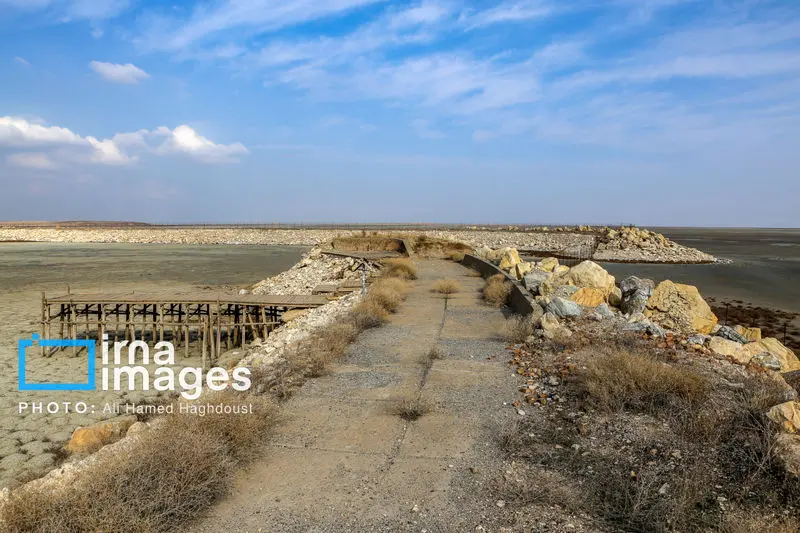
{"x": 518, "y": 328}
{"x": 455, "y": 256}
{"x": 446, "y": 286}
{"x": 400, "y": 268}
{"x": 411, "y": 408}
{"x": 368, "y": 314}
{"x": 172, "y": 473}
{"x": 622, "y": 380}
{"x": 497, "y": 290}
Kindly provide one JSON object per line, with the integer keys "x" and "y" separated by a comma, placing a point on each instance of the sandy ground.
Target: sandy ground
{"x": 343, "y": 461}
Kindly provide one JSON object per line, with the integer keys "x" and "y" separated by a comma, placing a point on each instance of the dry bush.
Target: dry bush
{"x": 542, "y": 487}
{"x": 518, "y": 328}
{"x": 736, "y": 523}
{"x": 399, "y": 268}
{"x": 455, "y": 256}
{"x": 367, "y": 243}
{"x": 427, "y": 360}
{"x": 447, "y": 286}
{"x": 368, "y": 314}
{"x": 426, "y": 246}
{"x": 497, "y": 290}
{"x": 313, "y": 355}
{"x": 411, "y": 408}
{"x": 623, "y": 380}
{"x": 387, "y": 293}
{"x": 172, "y": 473}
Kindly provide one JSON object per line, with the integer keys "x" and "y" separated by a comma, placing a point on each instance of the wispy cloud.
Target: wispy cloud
{"x": 22, "y": 61}
{"x": 211, "y": 21}
{"x": 128, "y": 73}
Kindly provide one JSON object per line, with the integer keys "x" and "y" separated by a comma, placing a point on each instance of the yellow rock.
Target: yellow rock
{"x": 92, "y": 438}
{"x": 587, "y": 274}
{"x": 521, "y": 269}
{"x": 751, "y": 334}
{"x": 510, "y": 259}
{"x": 680, "y": 308}
{"x": 788, "y": 359}
{"x": 588, "y": 296}
{"x": 548, "y": 264}
{"x": 731, "y": 349}
{"x": 561, "y": 269}
{"x": 786, "y": 415}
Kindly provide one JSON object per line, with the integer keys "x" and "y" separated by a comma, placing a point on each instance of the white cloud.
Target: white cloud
{"x": 186, "y": 140}
{"x": 117, "y": 73}
{"x": 508, "y": 12}
{"x": 21, "y": 132}
{"x": 22, "y": 61}
{"x": 38, "y": 160}
{"x": 121, "y": 149}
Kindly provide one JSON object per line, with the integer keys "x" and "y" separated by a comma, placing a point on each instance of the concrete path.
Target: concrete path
{"x": 343, "y": 461}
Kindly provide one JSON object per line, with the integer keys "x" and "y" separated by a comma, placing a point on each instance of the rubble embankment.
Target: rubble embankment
{"x": 627, "y": 244}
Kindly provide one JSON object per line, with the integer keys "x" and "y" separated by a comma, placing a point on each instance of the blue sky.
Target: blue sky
{"x": 656, "y": 112}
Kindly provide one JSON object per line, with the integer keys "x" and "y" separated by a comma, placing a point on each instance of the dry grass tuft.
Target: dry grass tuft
{"x": 455, "y": 256}
{"x": 399, "y": 268}
{"x": 175, "y": 471}
{"x": 623, "y": 380}
{"x": 427, "y": 360}
{"x": 447, "y": 286}
{"x": 368, "y": 314}
{"x": 411, "y": 408}
{"x": 497, "y": 290}
{"x": 518, "y": 328}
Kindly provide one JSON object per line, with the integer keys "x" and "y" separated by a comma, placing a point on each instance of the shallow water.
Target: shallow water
{"x": 27, "y": 440}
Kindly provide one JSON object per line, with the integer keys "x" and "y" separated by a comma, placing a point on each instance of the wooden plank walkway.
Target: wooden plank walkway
{"x": 140, "y": 298}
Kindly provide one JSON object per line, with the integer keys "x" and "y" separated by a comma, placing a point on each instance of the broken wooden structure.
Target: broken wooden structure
{"x": 181, "y": 318}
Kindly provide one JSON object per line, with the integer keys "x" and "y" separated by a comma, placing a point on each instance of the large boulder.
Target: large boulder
{"x": 635, "y": 293}
{"x": 520, "y": 269}
{"x": 533, "y": 280}
{"x": 510, "y": 259}
{"x": 586, "y": 274}
{"x": 563, "y": 308}
{"x": 787, "y": 357}
{"x": 680, "y": 308}
{"x": 588, "y": 297}
{"x": 751, "y": 334}
{"x": 786, "y": 415}
{"x": 731, "y": 349}
{"x": 548, "y": 264}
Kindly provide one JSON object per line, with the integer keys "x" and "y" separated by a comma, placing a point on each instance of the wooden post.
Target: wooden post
{"x": 203, "y": 326}
{"x": 44, "y": 322}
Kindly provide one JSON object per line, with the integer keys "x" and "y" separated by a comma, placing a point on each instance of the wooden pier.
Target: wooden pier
{"x": 182, "y": 318}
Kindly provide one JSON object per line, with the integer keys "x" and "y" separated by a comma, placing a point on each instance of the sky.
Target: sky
{"x": 651, "y": 112}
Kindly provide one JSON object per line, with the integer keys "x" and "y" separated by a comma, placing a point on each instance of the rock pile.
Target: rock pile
{"x": 315, "y": 268}
{"x": 642, "y": 245}
{"x": 668, "y": 310}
